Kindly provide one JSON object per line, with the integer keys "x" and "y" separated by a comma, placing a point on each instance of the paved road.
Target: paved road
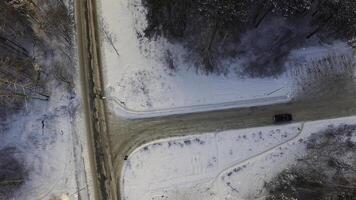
{"x": 126, "y": 135}
{"x": 114, "y": 137}
{"x": 94, "y": 108}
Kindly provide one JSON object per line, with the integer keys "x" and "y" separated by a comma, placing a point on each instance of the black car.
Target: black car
{"x": 282, "y": 118}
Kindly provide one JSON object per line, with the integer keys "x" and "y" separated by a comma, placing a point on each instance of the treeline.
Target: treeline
{"x": 33, "y": 34}
{"x": 213, "y": 29}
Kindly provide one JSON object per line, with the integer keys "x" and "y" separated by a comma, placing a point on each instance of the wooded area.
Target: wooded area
{"x": 33, "y": 35}
{"x": 217, "y": 29}
{"x": 36, "y": 52}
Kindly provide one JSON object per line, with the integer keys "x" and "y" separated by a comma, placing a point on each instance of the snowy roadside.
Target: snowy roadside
{"x": 233, "y": 164}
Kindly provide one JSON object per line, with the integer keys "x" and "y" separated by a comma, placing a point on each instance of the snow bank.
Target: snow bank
{"x": 223, "y": 165}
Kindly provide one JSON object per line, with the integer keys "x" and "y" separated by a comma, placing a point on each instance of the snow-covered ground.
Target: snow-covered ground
{"x": 51, "y": 144}
{"x": 44, "y": 140}
{"x": 231, "y": 164}
{"x": 49, "y": 138}
{"x": 139, "y": 82}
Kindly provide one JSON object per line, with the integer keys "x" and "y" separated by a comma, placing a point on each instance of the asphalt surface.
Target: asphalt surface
{"x": 94, "y": 108}
{"x": 114, "y": 137}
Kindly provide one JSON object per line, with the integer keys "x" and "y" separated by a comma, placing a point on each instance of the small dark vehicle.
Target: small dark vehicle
{"x": 283, "y": 118}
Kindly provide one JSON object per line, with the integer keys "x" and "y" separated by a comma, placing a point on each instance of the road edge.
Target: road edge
{"x": 89, "y": 60}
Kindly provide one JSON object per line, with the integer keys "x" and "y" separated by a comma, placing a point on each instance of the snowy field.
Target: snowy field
{"x": 232, "y": 164}
{"x": 139, "y": 82}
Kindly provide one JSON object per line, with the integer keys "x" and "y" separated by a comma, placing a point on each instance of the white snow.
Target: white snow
{"x": 228, "y": 165}
{"x": 56, "y": 156}
{"x": 322, "y": 61}
{"x": 51, "y": 141}
{"x": 44, "y": 151}
{"x": 139, "y": 84}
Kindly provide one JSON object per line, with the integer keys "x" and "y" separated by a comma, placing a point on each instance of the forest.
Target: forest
{"x": 36, "y": 47}
{"x": 262, "y": 31}
{"x": 34, "y": 35}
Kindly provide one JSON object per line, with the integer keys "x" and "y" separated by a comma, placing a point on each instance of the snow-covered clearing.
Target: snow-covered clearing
{"x": 139, "y": 82}
{"x": 231, "y": 164}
